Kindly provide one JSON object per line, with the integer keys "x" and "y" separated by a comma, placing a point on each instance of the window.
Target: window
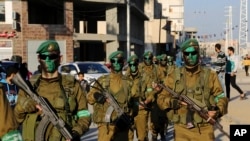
{"x": 46, "y": 11}
{"x": 2, "y": 11}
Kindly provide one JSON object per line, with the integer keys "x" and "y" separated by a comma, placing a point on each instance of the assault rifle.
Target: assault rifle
{"x": 48, "y": 112}
{"x": 123, "y": 120}
{"x": 202, "y": 111}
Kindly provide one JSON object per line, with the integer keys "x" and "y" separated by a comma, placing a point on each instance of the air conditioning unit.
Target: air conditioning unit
{"x": 14, "y": 25}
{"x": 14, "y": 15}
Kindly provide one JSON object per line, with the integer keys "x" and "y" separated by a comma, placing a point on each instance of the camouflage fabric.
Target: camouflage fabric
{"x": 149, "y": 75}
{"x": 119, "y": 86}
{"x": 140, "y": 115}
{"x": 189, "y": 84}
{"x": 51, "y": 90}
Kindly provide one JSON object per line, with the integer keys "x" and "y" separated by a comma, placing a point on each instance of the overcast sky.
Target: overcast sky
{"x": 208, "y": 16}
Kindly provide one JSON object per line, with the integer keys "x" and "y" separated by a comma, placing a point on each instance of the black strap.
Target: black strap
{"x": 65, "y": 97}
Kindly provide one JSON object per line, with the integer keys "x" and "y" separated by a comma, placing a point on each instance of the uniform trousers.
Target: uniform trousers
{"x": 111, "y": 133}
{"x": 140, "y": 126}
{"x": 204, "y": 133}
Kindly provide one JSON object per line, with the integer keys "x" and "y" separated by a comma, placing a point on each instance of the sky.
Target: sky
{"x": 209, "y": 17}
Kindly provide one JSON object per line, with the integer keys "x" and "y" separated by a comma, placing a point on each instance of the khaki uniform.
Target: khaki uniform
{"x": 117, "y": 85}
{"x": 159, "y": 120}
{"x": 190, "y": 84}
{"x": 140, "y": 115}
{"x": 7, "y": 120}
{"x": 149, "y": 75}
{"x": 51, "y": 90}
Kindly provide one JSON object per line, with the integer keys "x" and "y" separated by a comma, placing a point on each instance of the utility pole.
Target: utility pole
{"x": 243, "y": 31}
{"x": 128, "y": 29}
{"x": 229, "y": 32}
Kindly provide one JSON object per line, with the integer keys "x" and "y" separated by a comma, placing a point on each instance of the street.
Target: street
{"x": 237, "y": 112}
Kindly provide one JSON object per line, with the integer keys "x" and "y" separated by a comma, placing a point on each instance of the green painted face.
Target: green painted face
{"x": 49, "y": 62}
{"x": 163, "y": 61}
{"x": 148, "y": 60}
{"x": 117, "y": 64}
{"x": 190, "y": 56}
{"x": 133, "y": 66}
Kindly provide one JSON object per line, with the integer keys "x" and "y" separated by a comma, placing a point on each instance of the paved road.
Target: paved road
{"x": 237, "y": 112}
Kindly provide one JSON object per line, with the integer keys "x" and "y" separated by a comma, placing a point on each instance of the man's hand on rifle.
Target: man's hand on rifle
{"x": 211, "y": 113}
{"x": 155, "y": 86}
{"x": 142, "y": 105}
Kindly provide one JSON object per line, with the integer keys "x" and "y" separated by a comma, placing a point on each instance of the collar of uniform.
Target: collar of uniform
{"x": 193, "y": 70}
{"x": 136, "y": 76}
{"x": 50, "y": 79}
{"x": 113, "y": 74}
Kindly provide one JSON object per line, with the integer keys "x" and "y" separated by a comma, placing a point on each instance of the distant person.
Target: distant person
{"x": 220, "y": 64}
{"x": 61, "y": 92}
{"x": 10, "y": 89}
{"x": 25, "y": 73}
{"x": 38, "y": 71}
{"x": 246, "y": 64}
{"x": 178, "y": 60}
{"x": 231, "y": 73}
{"x": 84, "y": 83}
{"x": 8, "y": 124}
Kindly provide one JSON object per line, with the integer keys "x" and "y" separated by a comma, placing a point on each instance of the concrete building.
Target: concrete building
{"x": 163, "y": 30}
{"x": 85, "y": 29}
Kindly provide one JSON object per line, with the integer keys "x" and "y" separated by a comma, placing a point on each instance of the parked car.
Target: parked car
{"x": 90, "y": 69}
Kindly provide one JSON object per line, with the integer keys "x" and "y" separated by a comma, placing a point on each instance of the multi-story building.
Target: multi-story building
{"x": 84, "y": 29}
{"x": 164, "y": 28}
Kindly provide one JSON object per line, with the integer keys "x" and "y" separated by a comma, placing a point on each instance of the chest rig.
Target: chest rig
{"x": 104, "y": 113}
{"x": 147, "y": 78}
{"x": 198, "y": 92}
{"x": 66, "y": 83}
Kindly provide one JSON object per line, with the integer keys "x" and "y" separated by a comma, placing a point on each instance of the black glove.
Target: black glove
{"x": 76, "y": 136}
{"x": 100, "y": 98}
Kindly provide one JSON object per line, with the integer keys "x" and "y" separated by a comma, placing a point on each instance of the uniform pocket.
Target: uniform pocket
{"x": 59, "y": 103}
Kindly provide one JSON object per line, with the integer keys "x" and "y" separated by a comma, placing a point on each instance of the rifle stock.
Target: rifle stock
{"x": 203, "y": 112}
{"x": 48, "y": 112}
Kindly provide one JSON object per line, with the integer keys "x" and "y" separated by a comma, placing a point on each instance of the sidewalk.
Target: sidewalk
{"x": 237, "y": 109}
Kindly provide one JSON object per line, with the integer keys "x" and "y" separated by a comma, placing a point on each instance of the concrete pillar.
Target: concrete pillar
{"x": 111, "y": 19}
{"x": 111, "y": 47}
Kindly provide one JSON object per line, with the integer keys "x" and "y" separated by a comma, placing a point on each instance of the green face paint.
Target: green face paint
{"x": 148, "y": 60}
{"x": 51, "y": 67}
{"x": 117, "y": 64}
{"x": 133, "y": 66}
{"x": 163, "y": 62}
{"x": 190, "y": 56}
